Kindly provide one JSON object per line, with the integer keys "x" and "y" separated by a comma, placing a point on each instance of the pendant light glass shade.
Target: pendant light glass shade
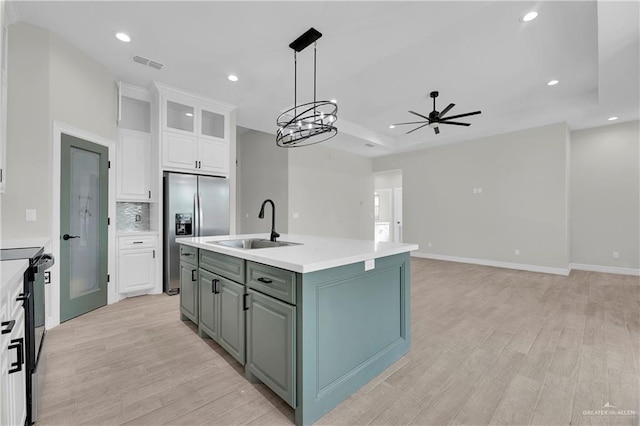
{"x": 308, "y": 123}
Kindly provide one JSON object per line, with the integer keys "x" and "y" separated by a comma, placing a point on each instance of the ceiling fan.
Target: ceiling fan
{"x": 435, "y": 118}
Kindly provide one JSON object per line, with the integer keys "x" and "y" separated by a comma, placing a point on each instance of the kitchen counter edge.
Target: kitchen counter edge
{"x": 297, "y": 258}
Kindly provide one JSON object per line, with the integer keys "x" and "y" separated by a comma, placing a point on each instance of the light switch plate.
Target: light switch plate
{"x": 369, "y": 264}
{"x": 30, "y": 215}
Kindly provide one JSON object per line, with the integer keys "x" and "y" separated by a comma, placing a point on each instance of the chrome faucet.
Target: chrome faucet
{"x": 274, "y": 234}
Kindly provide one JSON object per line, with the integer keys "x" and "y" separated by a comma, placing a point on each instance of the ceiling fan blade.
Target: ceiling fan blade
{"x": 435, "y": 129}
{"x": 410, "y": 122}
{"x": 417, "y": 128}
{"x": 455, "y": 123}
{"x": 446, "y": 110}
{"x": 461, "y": 115}
{"x": 419, "y": 115}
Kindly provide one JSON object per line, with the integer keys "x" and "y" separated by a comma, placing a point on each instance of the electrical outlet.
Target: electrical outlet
{"x": 517, "y": 252}
{"x": 369, "y": 264}
{"x": 616, "y": 255}
{"x": 47, "y": 277}
{"x": 296, "y": 215}
{"x": 475, "y": 190}
{"x": 429, "y": 244}
{"x": 479, "y": 190}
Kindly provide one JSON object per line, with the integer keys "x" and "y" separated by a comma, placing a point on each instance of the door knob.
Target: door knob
{"x": 68, "y": 237}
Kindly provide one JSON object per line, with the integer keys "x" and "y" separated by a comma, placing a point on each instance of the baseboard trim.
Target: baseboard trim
{"x": 495, "y": 263}
{"x": 605, "y": 269}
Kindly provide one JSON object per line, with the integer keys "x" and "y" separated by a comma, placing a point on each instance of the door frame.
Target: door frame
{"x": 53, "y": 289}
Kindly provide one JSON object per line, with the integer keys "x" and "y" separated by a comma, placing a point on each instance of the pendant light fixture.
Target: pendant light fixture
{"x": 308, "y": 123}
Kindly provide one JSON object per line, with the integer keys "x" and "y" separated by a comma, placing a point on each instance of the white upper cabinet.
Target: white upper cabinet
{"x": 194, "y": 133}
{"x": 180, "y": 117}
{"x": 134, "y": 166}
{"x": 135, "y": 151}
{"x": 212, "y": 124}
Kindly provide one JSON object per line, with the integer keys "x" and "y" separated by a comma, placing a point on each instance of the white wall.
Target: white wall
{"x": 388, "y": 180}
{"x": 262, "y": 174}
{"x": 523, "y": 204}
{"x": 605, "y": 195}
{"x": 331, "y": 192}
{"x": 28, "y": 134}
{"x": 50, "y": 81}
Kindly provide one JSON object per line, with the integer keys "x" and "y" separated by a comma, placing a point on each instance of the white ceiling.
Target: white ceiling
{"x": 378, "y": 59}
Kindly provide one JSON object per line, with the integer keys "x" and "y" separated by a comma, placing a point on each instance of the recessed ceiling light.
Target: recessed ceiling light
{"x": 529, "y": 16}
{"x": 333, "y": 101}
{"x": 188, "y": 114}
{"x": 612, "y": 118}
{"x": 391, "y": 126}
{"x": 232, "y": 77}
{"x": 552, "y": 83}
{"x": 123, "y": 37}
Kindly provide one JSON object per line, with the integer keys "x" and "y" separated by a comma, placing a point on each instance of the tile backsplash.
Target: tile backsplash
{"x": 132, "y": 217}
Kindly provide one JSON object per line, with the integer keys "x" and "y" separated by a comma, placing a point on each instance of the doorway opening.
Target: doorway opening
{"x": 387, "y": 206}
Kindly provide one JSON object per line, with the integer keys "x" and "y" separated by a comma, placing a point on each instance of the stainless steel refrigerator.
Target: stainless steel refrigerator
{"x": 194, "y": 206}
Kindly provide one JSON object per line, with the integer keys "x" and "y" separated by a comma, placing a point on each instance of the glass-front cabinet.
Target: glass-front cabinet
{"x": 194, "y": 133}
{"x": 212, "y": 124}
{"x": 180, "y": 117}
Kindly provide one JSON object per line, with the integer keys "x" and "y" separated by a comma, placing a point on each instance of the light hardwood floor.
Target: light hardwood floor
{"x": 490, "y": 346}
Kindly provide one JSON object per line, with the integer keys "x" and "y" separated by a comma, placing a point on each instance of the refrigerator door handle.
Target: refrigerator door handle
{"x": 196, "y": 218}
{"x": 200, "y": 214}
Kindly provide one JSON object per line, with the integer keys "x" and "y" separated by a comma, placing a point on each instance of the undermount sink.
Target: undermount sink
{"x": 253, "y": 243}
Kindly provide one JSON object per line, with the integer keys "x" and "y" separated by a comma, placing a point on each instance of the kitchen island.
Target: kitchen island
{"x": 314, "y": 321}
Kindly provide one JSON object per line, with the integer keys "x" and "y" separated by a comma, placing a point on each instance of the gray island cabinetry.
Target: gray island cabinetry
{"x": 314, "y": 322}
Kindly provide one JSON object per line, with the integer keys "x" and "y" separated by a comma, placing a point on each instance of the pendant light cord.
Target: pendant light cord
{"x": 295, "y": 83}
{"x": 314, "y": 77}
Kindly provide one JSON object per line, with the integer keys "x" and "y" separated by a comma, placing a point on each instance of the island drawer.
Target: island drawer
{"x": 189, "y": 254}
{"x": 221, "y": 264}
{"x": 272, "y": 281}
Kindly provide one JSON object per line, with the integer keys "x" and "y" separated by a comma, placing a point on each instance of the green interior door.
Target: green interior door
{"x": 83, "y": 226}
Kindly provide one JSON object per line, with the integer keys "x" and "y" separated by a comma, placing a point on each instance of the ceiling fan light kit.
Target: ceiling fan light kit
{"x": 311, "y": 122}
{"x": 436, "y": 118}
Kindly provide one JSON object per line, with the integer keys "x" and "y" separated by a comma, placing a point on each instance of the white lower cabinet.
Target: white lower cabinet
{"x": 13, "y": 350}
{"x": 136, "y": 263}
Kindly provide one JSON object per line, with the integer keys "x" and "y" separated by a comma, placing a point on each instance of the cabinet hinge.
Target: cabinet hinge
{"x": 149, "y": 194}
{"x": 108, "y": 278}
{"x": 108, "y": 164}
{"x": 154, "y": 254}
{"x": 0, "y": 175}
{"x": 108, "y": 221}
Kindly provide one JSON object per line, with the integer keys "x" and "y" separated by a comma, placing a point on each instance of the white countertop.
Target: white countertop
{"x": 315, "y": 253}
{"x": 26, "y": 242}
{"x": 12, "y": 271}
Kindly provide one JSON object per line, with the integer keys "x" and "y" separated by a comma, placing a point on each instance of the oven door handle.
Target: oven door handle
{"x": 23, "y": 297}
